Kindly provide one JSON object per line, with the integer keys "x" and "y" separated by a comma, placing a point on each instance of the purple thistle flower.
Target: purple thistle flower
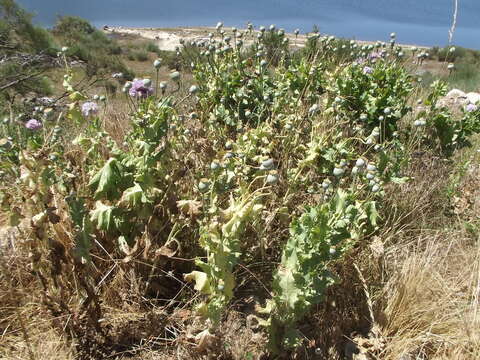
{"x": 139, "y": 89}
{"x": 471, "y": 108}
{"x": 367, "y": 70}
{"x": 33, "y": 125}
{"x": 359, "y": 61}
{"x": 89, "y": 108}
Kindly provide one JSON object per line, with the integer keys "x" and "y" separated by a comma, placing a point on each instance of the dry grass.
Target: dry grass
{"x": 432, "y": 308}
{"x": 43, "y": 343}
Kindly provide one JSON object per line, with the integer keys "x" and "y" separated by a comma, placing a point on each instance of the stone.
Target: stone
{"x": 454, "y": 98}
{"x": 473, "y": 97}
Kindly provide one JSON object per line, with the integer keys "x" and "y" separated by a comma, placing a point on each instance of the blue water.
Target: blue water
{"x": 422, "y": 22}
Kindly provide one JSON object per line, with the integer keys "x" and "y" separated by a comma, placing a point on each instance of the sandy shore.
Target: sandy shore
{"x": 169, "y": 38}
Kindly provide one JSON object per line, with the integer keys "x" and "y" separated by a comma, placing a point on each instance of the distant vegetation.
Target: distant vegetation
{"x": 90, "y": 45}
{"x": 466, "y": 74}
{"x": 26, "y": 53}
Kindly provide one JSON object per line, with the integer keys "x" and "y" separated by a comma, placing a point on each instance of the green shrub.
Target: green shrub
{"x": 153, "y": 48}
{"x": 459, "y": 54}
{"x": 18, "y": 37}
{"x": 374, "y": 101}
{"x": 90, "y": 45}
{"x": 465, "y": 76}
{"x": 141, "y": 55}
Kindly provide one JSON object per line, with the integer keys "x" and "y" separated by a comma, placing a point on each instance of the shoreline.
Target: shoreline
{"x": 169, "y": 38}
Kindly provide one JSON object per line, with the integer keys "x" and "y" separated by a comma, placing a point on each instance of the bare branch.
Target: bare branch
{"x": 454, "y": 22}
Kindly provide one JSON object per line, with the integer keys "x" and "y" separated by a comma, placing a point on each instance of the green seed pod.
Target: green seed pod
{"x": 267, "y": 165}
{"x": 214, "y": 165}
{"x": 338, "y": 172}
{"x": 193, "y": 89}
{"x": 272, "y": 179}
{"x": 360, "y": 163}
{"x": 175, "y": 76}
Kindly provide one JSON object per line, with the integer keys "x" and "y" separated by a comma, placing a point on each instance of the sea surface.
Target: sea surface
{"x": 420, "y": 22}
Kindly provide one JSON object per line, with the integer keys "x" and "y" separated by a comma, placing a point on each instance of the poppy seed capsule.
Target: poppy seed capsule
{"x": 203, "y": 185}
{"x": 175, "y": 76}
{"x": 272, "y": 179}
{"x": 360, "y": 163}
{"x": 419, "y": 123}
{"x": 267, "y": 164}
{"x": 338, "y": 171}
{"x": 193, "y": 89}
{"x": 313, "y": 109}
{"x": 157, "y": 63}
